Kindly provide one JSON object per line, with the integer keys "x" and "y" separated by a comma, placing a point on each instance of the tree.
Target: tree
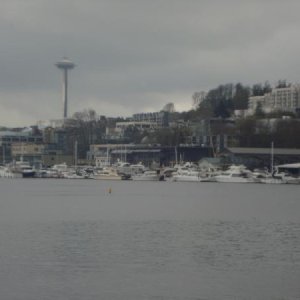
{"x": 205, "y": 111}
{"x": 267, "y": 87}
{"x": 263, "y": 134}
{"x": 170, "y": 136}
{"x": 260, "y": 89}
{"x": 219, "y": 101}
{"x": 133, "y": 134}
{"x": 286, "y": 133}
{"x": 169, "y": 107}
{"x": 245, "y": 131}
{"x": 282, "y": 84}
{"x": 222, "y": 110}
{"x": 198, "y": 97}
{"x": 259, "y": 113}
{"x": 86, "y": 128}
{"x": 257, "y": 90}
{"x": 241, "y": 96}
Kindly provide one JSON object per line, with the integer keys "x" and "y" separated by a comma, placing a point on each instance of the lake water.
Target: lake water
{"x": 72, "y": 239}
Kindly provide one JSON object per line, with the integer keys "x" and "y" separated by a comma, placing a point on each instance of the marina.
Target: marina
{"x": 185, "y": 172}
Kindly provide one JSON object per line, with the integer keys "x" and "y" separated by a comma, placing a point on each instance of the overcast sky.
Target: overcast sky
{"x": 137, "y": 55}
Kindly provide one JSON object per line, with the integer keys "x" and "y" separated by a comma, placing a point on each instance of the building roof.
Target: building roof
{"x": 290, "y": 166}
{"x": 135, "y": 151}
{"x": 14, "y": 133}
{"x": 267, "y": 151}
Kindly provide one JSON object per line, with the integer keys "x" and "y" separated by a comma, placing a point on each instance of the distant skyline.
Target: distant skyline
{"x": 136, "y": 55}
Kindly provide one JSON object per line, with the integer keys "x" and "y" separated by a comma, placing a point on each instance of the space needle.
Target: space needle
{"x": 65, "y": 65}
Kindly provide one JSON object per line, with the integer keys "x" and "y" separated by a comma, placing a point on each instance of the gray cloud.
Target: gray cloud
{"x": 137, "y": 55}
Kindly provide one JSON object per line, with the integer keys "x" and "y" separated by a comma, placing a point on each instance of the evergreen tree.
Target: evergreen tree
{"x": 241, "y": 96}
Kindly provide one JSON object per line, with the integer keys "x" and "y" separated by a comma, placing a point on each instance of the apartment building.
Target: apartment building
{"x": 161, "y": 119}
{"x": 279, "y": 99}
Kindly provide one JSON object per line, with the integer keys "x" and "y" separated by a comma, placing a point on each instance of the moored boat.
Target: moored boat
{"x": 290, "y": 173}
{"x": 187, "y": 175}
{"x": 21, "y": 169}
{"x": 236, "y": 174}
{"x": 149, "y": 175}
{"x": 5, "y": 172}
{"x": 107, "y": 174}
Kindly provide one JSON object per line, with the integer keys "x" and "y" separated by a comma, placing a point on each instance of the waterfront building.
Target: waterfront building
{"x": 55, "y": 139}
{"x": 29, "y": 152}
{"x": 147, "y": 154}
{"x": 51, "y": 159}
{"x": 57, "y": 149}
{"x": 216, "y": 133}
{"x": 8, "y": 137}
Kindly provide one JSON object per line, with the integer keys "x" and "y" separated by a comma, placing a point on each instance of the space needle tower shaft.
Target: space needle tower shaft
{"x": 65, "y": 65}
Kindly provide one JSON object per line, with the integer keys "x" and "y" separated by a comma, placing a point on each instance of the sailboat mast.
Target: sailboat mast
{"x": 272, "y": 157}
{"x": 107, "y": 160}
{"x": 22, "y": 152}
{"x": 75, "y": 153}
{"x": 125, "y": 154}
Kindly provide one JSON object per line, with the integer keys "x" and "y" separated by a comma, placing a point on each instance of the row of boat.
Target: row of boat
{"x": 238, "y": 174}
{"x": 184, "y": 172}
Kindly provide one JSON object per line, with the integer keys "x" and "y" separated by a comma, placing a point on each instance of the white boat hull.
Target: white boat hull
{"x": 6, "y": 173}
{"x": 272, "y": 181}
{"x": 108, "y": 177}
{"x": 186, "y": 178}
{"x": 145, "y": 178}
{"x": 148, "y": 176}
{"x": 233, "y": 179}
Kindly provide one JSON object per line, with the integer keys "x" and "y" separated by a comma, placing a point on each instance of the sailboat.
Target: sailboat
{"x": 273, "y": 176}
